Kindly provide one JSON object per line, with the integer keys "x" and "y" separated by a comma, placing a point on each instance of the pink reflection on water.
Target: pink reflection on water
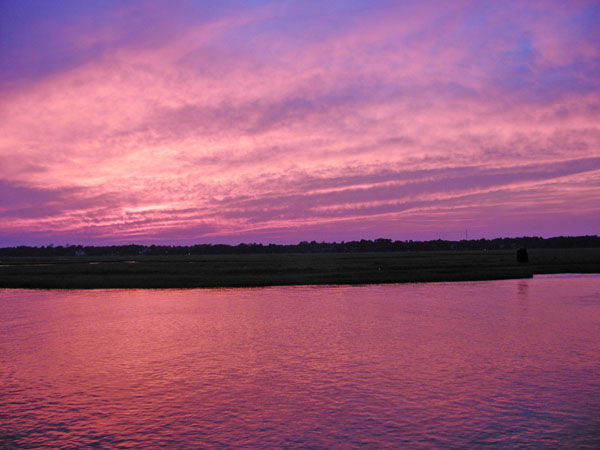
{"x": 504, "y": 363}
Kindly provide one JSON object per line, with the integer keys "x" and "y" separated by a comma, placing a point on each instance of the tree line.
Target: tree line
{"x": 364, "y": 245}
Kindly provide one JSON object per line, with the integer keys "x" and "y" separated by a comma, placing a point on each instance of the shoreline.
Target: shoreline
{"x": 238, "y": 271}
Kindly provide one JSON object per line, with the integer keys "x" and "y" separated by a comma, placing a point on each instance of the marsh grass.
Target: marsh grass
{"x": 288, "y": 269}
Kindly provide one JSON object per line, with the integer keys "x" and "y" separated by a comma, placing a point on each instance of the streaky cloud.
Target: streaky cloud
{"x": 269, "y": 120}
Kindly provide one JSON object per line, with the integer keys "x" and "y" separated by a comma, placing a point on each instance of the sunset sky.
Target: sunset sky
{"x": 280, "y": 121}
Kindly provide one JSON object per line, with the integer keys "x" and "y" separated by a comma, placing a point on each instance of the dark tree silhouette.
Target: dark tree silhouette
{"x": 362, "y": 246}
{"x": 522, "y": 255}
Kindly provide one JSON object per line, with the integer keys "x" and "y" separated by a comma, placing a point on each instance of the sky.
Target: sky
{"x": 183, "y": 122}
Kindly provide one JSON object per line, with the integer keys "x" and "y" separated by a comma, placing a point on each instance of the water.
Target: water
{"x": 449, "y": 365}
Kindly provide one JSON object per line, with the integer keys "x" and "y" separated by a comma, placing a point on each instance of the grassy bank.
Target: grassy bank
{"x": 288, "y": 269}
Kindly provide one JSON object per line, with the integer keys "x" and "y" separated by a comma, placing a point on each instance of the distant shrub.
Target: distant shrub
{"x": 522, "y": 255}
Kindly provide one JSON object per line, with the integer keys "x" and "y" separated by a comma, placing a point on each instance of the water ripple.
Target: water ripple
{"x": 449, "y": 365}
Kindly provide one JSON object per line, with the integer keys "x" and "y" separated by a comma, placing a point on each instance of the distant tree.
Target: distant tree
{"x": 522, "y": 255}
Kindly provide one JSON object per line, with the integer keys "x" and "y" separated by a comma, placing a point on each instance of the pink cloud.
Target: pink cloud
{"x": 242, "y": 123}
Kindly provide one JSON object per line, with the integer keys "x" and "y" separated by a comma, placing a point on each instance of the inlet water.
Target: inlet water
{"x": 511, "y": 363}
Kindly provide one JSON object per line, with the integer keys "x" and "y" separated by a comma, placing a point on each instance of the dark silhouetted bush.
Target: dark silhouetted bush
{"x": 522, "y": 255}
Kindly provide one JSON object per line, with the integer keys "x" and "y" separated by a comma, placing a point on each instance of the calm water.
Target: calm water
{"x": 503, "y": 363}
